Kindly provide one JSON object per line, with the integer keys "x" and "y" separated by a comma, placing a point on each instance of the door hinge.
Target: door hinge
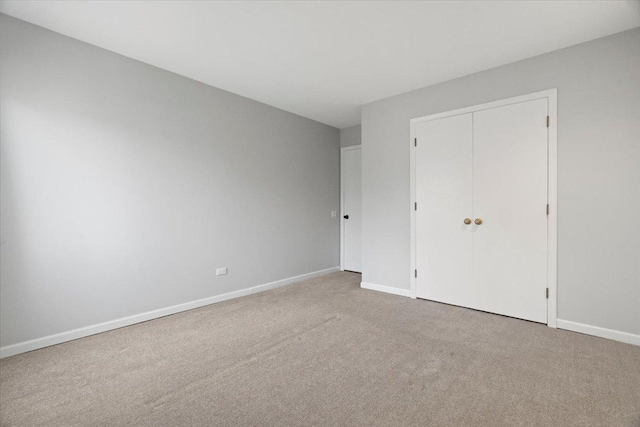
{"x": 547, "y": 293}
{"x": 415, "y": 206}
{"x": 415, "y": 142}
{"x": 547, "y": 209}
{"x": 415, "y": 272}
{"x": 547, "y": 121}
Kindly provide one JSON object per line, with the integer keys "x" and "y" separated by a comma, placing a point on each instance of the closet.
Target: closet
{"x": 481, "y": 209}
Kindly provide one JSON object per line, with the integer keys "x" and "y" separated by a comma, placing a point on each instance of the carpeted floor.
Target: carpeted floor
{"x": 325, "y": 352}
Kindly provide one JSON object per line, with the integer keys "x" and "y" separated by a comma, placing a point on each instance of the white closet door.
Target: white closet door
{"x": 444, "y": 195}
{"x": 510, "y": 197}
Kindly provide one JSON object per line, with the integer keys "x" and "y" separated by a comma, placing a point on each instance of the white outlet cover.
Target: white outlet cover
{"x": 221, "y": 271}
{"x": 334, "y": 214}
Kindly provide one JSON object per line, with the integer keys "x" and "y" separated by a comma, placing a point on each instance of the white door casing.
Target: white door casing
{"x": 351, "y": 208}
{"x": 504, "y": 282}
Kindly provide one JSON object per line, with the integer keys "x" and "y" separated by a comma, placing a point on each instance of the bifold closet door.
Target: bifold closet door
{"x": 444, "y": 182}
{"x": 510, "y": 197}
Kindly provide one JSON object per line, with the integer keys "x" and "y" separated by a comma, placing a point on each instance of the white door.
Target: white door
{"x": 351, "y": 177}
{"x": 444, "y": 178}
{"x": 489, "y": 167}
{"x": 510, "y": 197}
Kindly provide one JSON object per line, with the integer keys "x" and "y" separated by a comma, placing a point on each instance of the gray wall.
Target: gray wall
{"x": 598, "y": 173}
{"x": 124, "y": 187}
{"x": 351, "y": 136}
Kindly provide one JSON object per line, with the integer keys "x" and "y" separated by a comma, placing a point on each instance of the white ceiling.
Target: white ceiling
{"x": 323, "y": 60}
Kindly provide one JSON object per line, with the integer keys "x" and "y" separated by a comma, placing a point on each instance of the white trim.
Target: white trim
{"x": 552, "y": 199}
{"x": 487, "y": 106}
{"x": 342, "y": 213}
{"x": 413, "y": 286}
{"x": 50, "y": 340}
{"x": 386, "y": 289}
{"x": 597, "y": 331}
{"x": 552, "y": 224}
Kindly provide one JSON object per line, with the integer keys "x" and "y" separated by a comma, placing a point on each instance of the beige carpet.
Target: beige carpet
{"x": 325, "y": 352}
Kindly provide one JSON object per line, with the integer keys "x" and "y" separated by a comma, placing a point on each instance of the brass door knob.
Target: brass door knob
{"x": 478, "y": 221}
{"x": 467, "y": 221}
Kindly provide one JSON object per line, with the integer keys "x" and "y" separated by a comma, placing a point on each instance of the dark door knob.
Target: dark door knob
{"x": 346, "y": 217}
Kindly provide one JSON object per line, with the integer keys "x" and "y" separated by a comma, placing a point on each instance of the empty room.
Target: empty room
{"x": 328, "y": 213}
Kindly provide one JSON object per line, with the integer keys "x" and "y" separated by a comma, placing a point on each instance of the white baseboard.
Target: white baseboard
{"x": 387, "y": 289}
{"x": 597, "y": 331}
{"x": 47, "y": 341}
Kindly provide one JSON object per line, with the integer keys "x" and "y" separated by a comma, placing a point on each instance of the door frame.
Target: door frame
{"x": 552, "y": 188}
{"x": 342, "y": 213}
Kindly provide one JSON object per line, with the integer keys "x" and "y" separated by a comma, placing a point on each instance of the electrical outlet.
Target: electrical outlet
{"x": 334, "y": 214}
{"x": 221, "y": 271}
